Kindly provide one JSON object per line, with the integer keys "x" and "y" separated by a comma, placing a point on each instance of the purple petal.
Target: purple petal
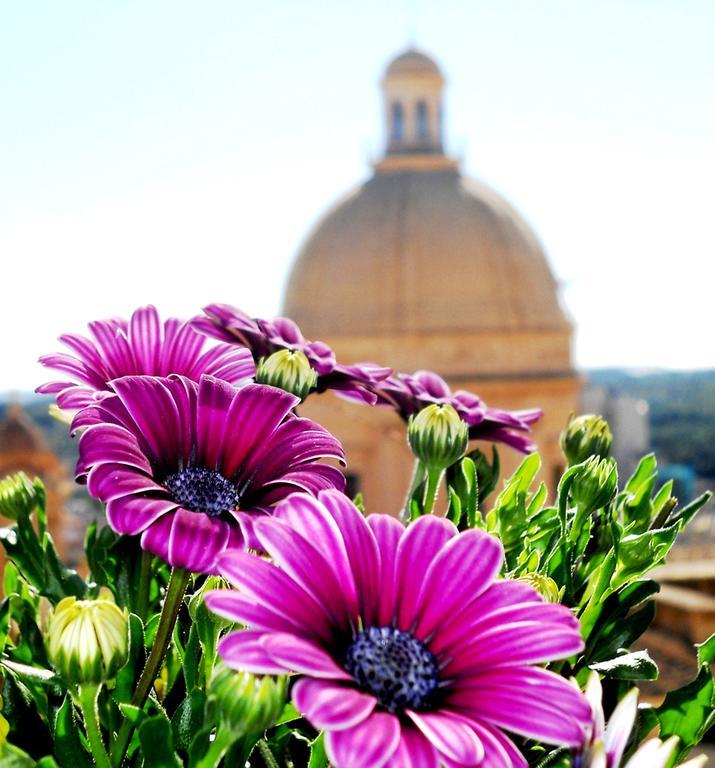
{"x": 145, "y": 338}
{"x": 242, "y": 650}
{"x": 362, "y": 551}
{"x": 110, "y": 444}
{"x": 330, "y": 706}
{"x": 370, "y": 744}
{"x": 235, "y": 606}
{"x": 420, "y": 544}
{"x": 269, "y": 586}
{"x": 133, "y": 514}
{"x": 197, "y": 540}
{"x": 302, "y": 656}
{"x": 308, "y": 567}
{"x": 387, "y": 531}
{"x": 250, "y": 426}
{"x": 450, "y": 735}
{"x": 414, "y": 750}
{"x": 112, "y": 481}
{"x": 500, "y": 752}
{"x": 472, "y": 559}
{"x": 214, "y": 401}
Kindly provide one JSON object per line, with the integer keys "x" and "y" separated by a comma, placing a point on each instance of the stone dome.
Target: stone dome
{"x": 412, "y": 62}
{"x": 422, "y": 250}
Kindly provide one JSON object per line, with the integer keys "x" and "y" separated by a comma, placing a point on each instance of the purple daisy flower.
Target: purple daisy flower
{"x": 409, "y": 393}
{"x": 142, "y": 346}
{"x": 408, "y": 649}
{"x": 264, "y": 337}
{"x": 186, "y": 464}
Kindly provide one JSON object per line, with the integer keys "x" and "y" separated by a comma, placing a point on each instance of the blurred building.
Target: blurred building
{"x": 23, "y": 447}
{"x": 421, "y": 267}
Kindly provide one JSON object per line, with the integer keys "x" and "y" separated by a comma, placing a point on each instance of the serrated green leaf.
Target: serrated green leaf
{"x": 157, "y": 743}
{"x": 629, "y": 666}
{"x": 69, "y": 750}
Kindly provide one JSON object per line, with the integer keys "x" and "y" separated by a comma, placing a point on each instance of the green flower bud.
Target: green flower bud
{"x": 20, "y": 496}
{"x": 595, "y": 483}
{"x": 88, "y": 640}
{"x": 287, "y": 369}
{"x": 246, "y": 703}
{"x": 544, "y": 585}
{"x": 586, "y": 436}
{"x": 437, "y": 436}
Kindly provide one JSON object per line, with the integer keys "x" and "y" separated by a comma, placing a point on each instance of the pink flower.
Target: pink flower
{"x": 409, "y": 651}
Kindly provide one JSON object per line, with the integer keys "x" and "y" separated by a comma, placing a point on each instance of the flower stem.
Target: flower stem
{"x": 144, "y": 585}
{"x": 175, "y": 590}
{"x": 266, "y": 754}
{"x": 88, "y": 704}
{"x": 418, "y": 476}
{"x": 222, "y": 741}
{"x": 434, "y": 478}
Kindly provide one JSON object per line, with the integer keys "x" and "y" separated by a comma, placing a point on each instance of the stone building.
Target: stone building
{"x": 421, "y": 267}
{"x": 23, "y": 447}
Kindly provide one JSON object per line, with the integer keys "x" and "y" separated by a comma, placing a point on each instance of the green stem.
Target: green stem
{"x": 88, "y": 704}
{"x": 434, "y": 478}
{"x": 418, "y": 476}
{"x": 266, "y": 754}
{"x": 175, "y": 590}
{"x": 144, "y": 585}
{"x": 222, "y": 741}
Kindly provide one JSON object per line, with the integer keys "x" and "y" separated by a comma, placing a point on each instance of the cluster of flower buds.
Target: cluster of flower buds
{"x": 287, "y": 369}
{"x": 595, "y": 483}
{"x": 88, "y": 640}
{"x": 438, "y": 436}
{"x": 586, "y": 436}
{"x": 247, "y": 703}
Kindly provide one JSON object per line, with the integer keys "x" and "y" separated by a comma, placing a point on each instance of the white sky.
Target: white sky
{"x": 178, "y": 152}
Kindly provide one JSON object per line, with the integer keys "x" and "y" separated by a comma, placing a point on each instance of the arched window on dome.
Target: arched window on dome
{"x": 422, "y": 121}
{"x": 397, "y": 132}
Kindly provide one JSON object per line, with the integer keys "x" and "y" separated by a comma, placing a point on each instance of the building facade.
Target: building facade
{"x": 423, "y": 268}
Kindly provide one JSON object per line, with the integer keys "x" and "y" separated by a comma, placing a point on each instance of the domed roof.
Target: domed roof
{"x": 418, "y": 252}
{"x": 412, "y": 62}
{"x": 19, "y": 433}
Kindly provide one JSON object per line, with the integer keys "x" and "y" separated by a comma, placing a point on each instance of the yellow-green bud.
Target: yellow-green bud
{"x": 437, "y": 436}
{"x": 287, "y": 369}
{"x": 19, "y": 496}
{"x": 586, "y": 436}
{"x": 544, "y": 585}
{"x": 87, "y": 640}
{"x": 595, "y": 483}
{"x": 246, "y": 703}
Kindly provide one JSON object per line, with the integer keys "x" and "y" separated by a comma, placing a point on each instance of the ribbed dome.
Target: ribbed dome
{"x": 412, "y": 62}
{"x": 422, "y": 251}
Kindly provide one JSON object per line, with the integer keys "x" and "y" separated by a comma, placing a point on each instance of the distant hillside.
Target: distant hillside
{"x": 682, "y": 412}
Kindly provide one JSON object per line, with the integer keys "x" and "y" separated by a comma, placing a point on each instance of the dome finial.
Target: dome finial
{"x": 412, "y": 92}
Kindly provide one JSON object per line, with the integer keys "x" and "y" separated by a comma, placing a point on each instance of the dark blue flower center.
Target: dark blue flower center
{"x": 203, "y": 490}
{"x": 394, "y": 667}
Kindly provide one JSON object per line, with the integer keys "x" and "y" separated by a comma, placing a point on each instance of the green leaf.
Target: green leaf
{"x": 157, "y": 743}
{"x": 47, "y": 762}
{"x": 688, "y": 512}
{"x": 130, "y": 672}
{"x": 639, "y": 553}
{"x": 28, "y": 731}
{"x": 69, "y": 750}
{"x": 289, "y": 715}
{"x": 318, "y": 755}
{"x": 188, "y": 719}
{"x": 629, "y": 666}
{"x": 689, "y": 712}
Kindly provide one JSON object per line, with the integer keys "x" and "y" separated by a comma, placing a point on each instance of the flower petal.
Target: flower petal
{"x": 133, "y": 514}
{"x": 371, "y": 744}
{"x": 243, "y": 650}
{"x": 414, "y": 750}
{"x": 330, "y": 706}
{"x": 387, "y": 531}
{"x": 302, "y": 656}
{"x": 449, "y": 734}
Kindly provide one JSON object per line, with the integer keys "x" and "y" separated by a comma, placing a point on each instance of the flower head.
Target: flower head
{"x": 586, "y": 436}
{"x": 437, "y": 436}
{"x": 409, "y": 651}
{"x": 595, "y": 483}
{"x": 88, "y": 640}
{"x": 410, "y": 393}
{"x": 142, "y": 346}
{"x": 247, "y": 703}
{"x": 264, "y": 337}
{"x": 183, "y": 464}
{"x": 287, "y": 369}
